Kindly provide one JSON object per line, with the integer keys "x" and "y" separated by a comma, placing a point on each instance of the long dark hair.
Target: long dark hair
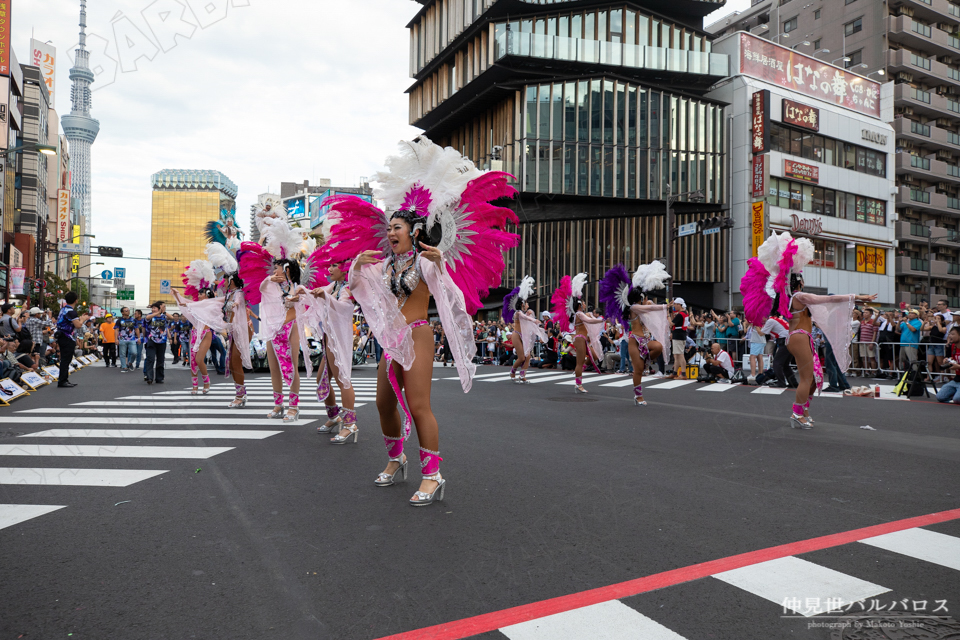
{"x": 294, "y": 270}
{"x": 412, "y": 218}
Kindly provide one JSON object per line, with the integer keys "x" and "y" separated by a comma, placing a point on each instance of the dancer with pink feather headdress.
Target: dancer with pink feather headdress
{"x": 235, "y": 317}
{"x": 442, "y": 238}
{"x": 200, "y": 305}
{"x": 570, "y": 314}
{"x": 526, "y": 327}
{"x": 271, "y": 274}
{"x": 624, "y": 299}
{"x": 774, "y": 280}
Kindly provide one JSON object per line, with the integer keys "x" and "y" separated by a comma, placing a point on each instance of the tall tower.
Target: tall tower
{"x": 80, "y": 128}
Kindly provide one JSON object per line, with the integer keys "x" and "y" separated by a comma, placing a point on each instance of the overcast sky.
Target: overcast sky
{"x": 263, "y": 91}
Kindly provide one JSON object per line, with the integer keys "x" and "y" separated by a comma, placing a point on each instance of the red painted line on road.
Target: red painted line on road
{"x": 498, "y": 619}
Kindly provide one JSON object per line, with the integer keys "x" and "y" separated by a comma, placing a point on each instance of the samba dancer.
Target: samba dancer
{"x": 201, "y": 307}
{"x": 526, "y": 328}
{"x": 569, "y": 312}
{"x": 236, "y": 320}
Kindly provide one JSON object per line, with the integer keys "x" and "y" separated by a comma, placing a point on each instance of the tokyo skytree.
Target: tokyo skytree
{"x": 80, "y": 128}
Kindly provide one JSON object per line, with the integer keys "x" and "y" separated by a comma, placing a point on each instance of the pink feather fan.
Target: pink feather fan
{"x": 558, "y": 304}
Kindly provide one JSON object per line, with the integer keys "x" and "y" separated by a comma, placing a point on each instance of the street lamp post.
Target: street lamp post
{"x": 932, "y": 228}
{"x": 671, "y": 222}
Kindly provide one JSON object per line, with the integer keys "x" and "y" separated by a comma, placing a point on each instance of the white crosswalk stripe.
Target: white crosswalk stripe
{"x": 150, "y": 434}
{"x": 11, "y": 514}
{"x": 76, "y": 477}
{"x": 110, "y": 451}
{"x": 718, "y": 387}
{"x": 168, "y": 410}
{"x": 238, "y": 422}
{"x": 175, "y": 403}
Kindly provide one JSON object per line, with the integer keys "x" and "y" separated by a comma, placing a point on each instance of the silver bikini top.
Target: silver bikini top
{"x": 402, "y": 277}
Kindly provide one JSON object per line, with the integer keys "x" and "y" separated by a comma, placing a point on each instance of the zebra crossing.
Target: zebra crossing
{"x": 616, "y": 380}
{"x": 138, "y": 428}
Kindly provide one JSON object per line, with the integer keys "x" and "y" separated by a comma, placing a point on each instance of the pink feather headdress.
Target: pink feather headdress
{"x": 197, "y": 276}
{"x": 768, "y": 275}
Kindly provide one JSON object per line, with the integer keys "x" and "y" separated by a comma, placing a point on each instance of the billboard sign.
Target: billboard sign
{"x": 757, "y": 225}
{"x": 759, "y": 119}
{"x": 791, "y": 70}
{"x": 17, "y": 276}
{"x": 44, "y": 56}
{"x": 800, "y": 115}
{"x": 63, "y": 215}
{"x": 801, "y": 171}
{"x": 759, "y": 175}
{"x": 5, "y": 37}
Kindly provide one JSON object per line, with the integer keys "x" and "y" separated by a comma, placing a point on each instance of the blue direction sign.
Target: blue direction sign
{"x": 165, "y": 287}
{"x": 708, "y": 232}
{"x": 686, "y": 229}
{"x": 120, "y": 272}
{"x": 106, "y": 275}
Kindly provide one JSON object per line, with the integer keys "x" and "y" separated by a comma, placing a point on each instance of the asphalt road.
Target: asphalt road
{"x": 549, "y": 494}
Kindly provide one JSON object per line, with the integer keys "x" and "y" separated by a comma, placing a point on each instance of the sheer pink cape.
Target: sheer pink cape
{"x": 832, "y": 314}
{"x": 336, "y": 318}
{"x": 390, "y": 328}
{"x": 273, "y": 315}
{"x": 594, "y": 328}
{"x": 530, "y": 331}
{"x": 202, "y": 313}
{"x": 656, "y": 319}
{"x": 239, "y": 330}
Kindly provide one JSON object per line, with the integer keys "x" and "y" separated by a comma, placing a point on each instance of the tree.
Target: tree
{"x": 57, "y": 287}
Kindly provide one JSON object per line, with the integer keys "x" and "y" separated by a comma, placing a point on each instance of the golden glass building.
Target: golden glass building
{"x": 184, "y": 202}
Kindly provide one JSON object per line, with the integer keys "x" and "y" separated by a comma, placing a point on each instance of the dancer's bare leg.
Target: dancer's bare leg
{"x": 390, "y": 423}
{"x": 799, "y": 347}
{"x": 348, "y": 395}
{"x": 418, "y": 381}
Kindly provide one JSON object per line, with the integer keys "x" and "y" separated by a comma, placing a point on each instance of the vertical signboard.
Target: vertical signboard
{"x": 17, "y": 276}
{"x": 756, "y": 225}
{"x": 760, "y": 176}
{"x": 5, "y": 37}
{"x": 75, "y": 259}
{"x": 759, "y": 121}
{"x": 44, "y": 56}
{"x": 63, "y": 215}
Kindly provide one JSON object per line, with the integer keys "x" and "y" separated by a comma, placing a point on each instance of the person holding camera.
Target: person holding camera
{"x": 719, "y": 365}
{"x": 950, "y": 391}
{"x": 68, "y": 322}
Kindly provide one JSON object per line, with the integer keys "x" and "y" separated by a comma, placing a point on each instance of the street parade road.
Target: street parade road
{"x": 132, "y": 511}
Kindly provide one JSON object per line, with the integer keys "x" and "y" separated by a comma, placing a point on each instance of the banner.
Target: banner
{"x": 756, "y": 225}
{"x": 760, "y": 176}
{"x": 75, "y": 260}
{"x": 44, "y": 56}
{"x": 63, "y": 215}
{"x": 800, "y": 115}
{"x": 801, "y": 171}
{"x": 792, "y": 70}
{"x": 5, "y": 38}
{"x": 759, "y": 119}
{"x": 17, "y": 275}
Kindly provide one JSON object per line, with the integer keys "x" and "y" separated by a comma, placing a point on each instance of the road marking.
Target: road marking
{"x": 562, "y": 376}
{"x": 718, "y": 387}
{"x": 791, "y": 580}
{"x": 110, "y": 451}
{"x": 628, "y": 382}
{"x": 481, "y": 376}
{"x": 608, "y": 376}
{"x": 486, "y": 622}
{"x": 168, "y": 402}
{"x": 235, "y": 422}
{"x": 769, "y": 391}
{"x": 922, "y": 544}
{"x": 506, "y": 376}
{"x": 159, "y": 411}
{"x": 671, "y": 384}
{"x": 611, "y": 620}
{"x": 11, "y": 514}
{"x": 147, "y": 434}
{"x": 76, "y": 477}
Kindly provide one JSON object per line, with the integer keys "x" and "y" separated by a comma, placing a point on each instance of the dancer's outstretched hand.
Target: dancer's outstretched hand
{"x": 371, "y": 256}
{"x": 432, "y": 254}
{"x": 319, "y": 292}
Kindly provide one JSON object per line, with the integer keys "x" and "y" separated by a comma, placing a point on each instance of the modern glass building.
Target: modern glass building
{"x": 184, "y": 201}
{"x": 598, "y": 109}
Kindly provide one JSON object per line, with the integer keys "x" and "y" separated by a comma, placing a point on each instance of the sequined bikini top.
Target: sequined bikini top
{"x": 402, "y": 275}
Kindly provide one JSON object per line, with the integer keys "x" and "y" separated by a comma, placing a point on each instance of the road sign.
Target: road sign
{"x": 70, "y": 247}
{"x": 686, "y": 229}
{"x": 708, "y": 232}
{"x": 119, "y": 282}
{"x": 165, "y": 287}
{"x": 120, "y": 272}
{"x": 106, "y": 275}
{"x": 125, "y": 295}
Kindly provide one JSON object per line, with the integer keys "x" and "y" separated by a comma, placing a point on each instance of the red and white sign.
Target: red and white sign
{"x": 759, "y": 117}
{"x": 5, "y": 37}
{"x": 759, "y": 175}
{"x": 787, "y": 68}
{"x": 44, "y": 56}
{"x": 63, "y": 215}
{"x": 809, "y": 226}
{"x": 800, "y": 171}
{"x": 800, "y": 115}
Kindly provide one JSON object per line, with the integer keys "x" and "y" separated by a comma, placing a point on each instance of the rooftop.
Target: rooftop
{"x": 193, "y": 180}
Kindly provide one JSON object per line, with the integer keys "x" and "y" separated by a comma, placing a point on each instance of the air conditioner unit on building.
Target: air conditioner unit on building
{"x": 906, "y": 11}
{"x": 946, "y": 156}
{"x": 909, "y": 179}
{"x": 906, "y": 111}
{"x": 944, "y": 123}
{"x": 907, "y": 146}
{"x": 903, "y": 76}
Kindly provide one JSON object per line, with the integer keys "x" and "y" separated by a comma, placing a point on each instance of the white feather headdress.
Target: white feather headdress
{"x": 577, "y": 283}
{"x": 221, "y": 258}
{"x": 282, "y": 241}
{"x": 651, "y": 276}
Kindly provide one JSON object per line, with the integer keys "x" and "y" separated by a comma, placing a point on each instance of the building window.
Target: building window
{"x": 790, "y": 25}
{"x": 829, "y": 151}
{"x": 853, "y": 27}
{"x": 856, "y": 58}
{"x": 816, "y": 16}
{"x": 816, "y": 45}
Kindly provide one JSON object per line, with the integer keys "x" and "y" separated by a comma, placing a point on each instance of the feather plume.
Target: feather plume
{"x": 198, "y": 275}
{"x": 560, "y": 304}
{"x": 509, "y": 310}
{"x": 255, "y": 266}
{"x": 577, "y": 283}
{"x": 804, "y": 255}
{"x": 282, "y": 241}
{"x": 221, "y": 258}
{"x": 753, "y": 286}
{"x": 614, "y": 287}
{"x": 526, "y": 288}
{"x": 651, "y": 276}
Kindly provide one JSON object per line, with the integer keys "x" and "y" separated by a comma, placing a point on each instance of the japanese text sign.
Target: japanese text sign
{"x": 759, "y": 117}
{"x": 809, "y": 76}
{"x": 800, "y": 171}
{"x": 757, "y": 225}
{"x": 759, "y": 176}
{"x": 5, "y": 37}
{"x": 44, "y": 56}
{"x": 63, "y": 215}
{"x": 800, "y": 115}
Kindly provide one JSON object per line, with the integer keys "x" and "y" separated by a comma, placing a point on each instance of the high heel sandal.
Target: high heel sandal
{"x": 195, "y": 389}
{"x": 276, "y": 413}
{"x": 579, "y": 389}
{"x": 294, "y": 417}
{"x": 206, "y": 385}
{"x": 421, "y": 499}
{"x": 387, "y": 479}
{"x": 333, "y": 413}
{"x": 350, "y": 424}
{"x": 239, "y": 401}
{"x": 639, "y": 401}
{"x": 796, "y": 421}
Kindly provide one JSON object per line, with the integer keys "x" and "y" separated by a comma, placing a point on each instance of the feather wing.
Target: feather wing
{"x": 753, "y": 287}
{"x": 614, "y": 287}
{"x": 314, "y": 271}
{"x": 283, "y": 241}
{"x": 221, "y": 258}
{"x": 212, "y": 233}
{"x": 526, "y": 287}
{"x": 508, "y": 309}
{"x": 577, "y": 283}
{"x": 255, "y": 267}
{"x": 361, "y": 226}
{"x": 558, "y": 302}
{"x": 651, "y": 276}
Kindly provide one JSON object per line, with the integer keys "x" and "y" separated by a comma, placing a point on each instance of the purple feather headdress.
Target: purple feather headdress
{"x": 508, "y": 309}
{"x": 513, "y": 301}
{"x": 615, "y": 286}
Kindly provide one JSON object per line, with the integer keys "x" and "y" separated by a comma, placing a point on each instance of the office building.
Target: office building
{"x": 11, "y": 91}
{"x": 31, "y": 217}
{"x": 184, "y": 201}
{"x": 916, "y": 45}
{"x": 814, "y": 159}
{"x": 599, "y": 111}
{"x": 302, "y": 201}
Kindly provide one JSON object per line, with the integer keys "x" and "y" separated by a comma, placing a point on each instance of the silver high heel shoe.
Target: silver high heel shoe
{"x": 354, "y": 431}
{"x": 329, "y": 425}
{"x": 292, "y": 418}
{"x": 639, "y": 401}
{"x": 386, "y": 479}
{"x": 238, "y": 402}
{"x": 797, "y": 422}
{"x": 276, "y": 413}
{"x": 579, "y": 389}
{"x": 424, "y": 499}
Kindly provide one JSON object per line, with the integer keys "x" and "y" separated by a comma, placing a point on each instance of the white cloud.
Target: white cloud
{"x": 272, "y": 91}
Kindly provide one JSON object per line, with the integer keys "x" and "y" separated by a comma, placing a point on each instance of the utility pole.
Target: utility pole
{"x": 671, "y": 229}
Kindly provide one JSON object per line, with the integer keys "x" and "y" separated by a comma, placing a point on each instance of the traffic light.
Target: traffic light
{"x": 110, "y": 252}
{"x": 716, "y": 223}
